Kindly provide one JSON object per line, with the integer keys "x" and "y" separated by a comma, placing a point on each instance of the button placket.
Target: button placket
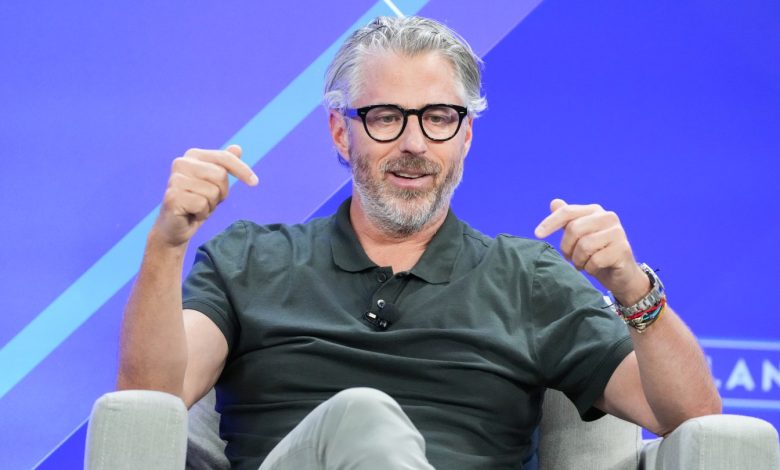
{"x": 390, "y": 286}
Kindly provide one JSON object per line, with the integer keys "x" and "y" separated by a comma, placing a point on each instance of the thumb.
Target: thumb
{"x": 556, "y": 204}
{"x": 235, "y": 149}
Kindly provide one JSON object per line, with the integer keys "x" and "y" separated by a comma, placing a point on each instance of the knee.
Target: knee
{"x": 374, "y": 425}
{"x": 366, "y": 406}
{"x": 364, "y": 400}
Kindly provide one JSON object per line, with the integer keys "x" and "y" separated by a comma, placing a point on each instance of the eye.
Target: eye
{"x": 440, "y": 116}
{"x": 384, "y": 117}
{"x": 387, "y": 118}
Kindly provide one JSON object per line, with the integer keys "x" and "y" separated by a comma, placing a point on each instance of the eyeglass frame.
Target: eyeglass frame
{"x": 363, "y": 111}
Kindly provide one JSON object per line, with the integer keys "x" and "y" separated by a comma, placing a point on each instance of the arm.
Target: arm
{"x": 666, "y": 380}
{"x": 161, "y": 347}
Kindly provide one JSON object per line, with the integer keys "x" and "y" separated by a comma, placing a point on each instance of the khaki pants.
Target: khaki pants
{"x": 356, "y": 429}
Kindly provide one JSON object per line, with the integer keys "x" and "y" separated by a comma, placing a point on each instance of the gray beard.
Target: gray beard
{"x": 403, "y": 212}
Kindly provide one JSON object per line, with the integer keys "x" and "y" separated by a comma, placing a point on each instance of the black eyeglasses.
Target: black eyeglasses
{"x": 386, "y": 122}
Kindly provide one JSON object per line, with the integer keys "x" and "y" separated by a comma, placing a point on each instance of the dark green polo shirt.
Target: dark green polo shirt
{"x": 483, "y": 326}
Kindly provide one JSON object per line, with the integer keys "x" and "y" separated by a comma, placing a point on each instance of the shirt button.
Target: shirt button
{"x": 380, "y": 303}
{"x": 381, "y": 277}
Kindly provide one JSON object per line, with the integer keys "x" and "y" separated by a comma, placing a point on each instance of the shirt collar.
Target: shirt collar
{"x": 435, "y": 266}
{"x": 348, "y": 254}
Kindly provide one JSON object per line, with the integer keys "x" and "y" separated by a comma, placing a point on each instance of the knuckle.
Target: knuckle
{"x": 591, "y": 209}
{"x": 177, "y": 163}
{"x": 587, "y": 246}
{"x": 214, "y": 193}
{"x": 176, "y": 179}
{"x": 598, "y": 262}
{"x": 203, "y": 205}
{"x": 566, "y": 242}
{"x": 618, "y": 233}
{"x": 575, "y": 227}
{"x": 170, "y": 196}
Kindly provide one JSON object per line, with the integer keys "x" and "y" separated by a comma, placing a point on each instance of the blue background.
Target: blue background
{"x": 666, "y": 112}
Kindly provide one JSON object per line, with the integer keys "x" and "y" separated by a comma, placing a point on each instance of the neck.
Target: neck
{"x": 389, "y": 249}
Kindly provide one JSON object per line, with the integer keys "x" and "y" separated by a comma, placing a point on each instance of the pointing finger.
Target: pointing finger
{"x": 556, "y": 204}
{"x": 233, "y": 164}
{"x": 562, "y": 215}
{"x": 235, "y": 149}
{"x": 551, "y": 223}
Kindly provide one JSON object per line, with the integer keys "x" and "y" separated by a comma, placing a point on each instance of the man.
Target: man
{"x": 392, "y": 335}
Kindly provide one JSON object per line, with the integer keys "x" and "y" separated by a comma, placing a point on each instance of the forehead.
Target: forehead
{"x": 408, "y": 81}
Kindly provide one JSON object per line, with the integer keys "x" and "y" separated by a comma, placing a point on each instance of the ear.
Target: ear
{"x": 469, "y": 134}
{"x": 339, "y": 133}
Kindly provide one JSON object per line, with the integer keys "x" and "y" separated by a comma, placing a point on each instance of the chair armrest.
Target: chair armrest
{"x": 205, "y": 449}
{"x": 137, "y": 429}
{"x": 568, "y": 442}
{"x": 715, "y": 442}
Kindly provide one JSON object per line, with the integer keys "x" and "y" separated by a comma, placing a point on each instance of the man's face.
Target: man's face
{"x": 403, "y": 184}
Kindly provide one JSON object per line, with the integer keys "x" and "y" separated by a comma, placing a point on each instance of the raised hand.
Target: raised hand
{"x": 198, "y": 183}
{"x": 594, "y": 241}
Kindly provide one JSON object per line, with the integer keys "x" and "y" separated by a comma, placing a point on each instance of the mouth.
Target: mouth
{"x": 410, "y": 172}
{"x": 407, "y": 180}
{"x": 408, "y": 175}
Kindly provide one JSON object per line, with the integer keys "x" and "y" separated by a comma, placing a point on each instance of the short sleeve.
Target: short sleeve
{"x": 206, "y": 287}
{"x": 578, "y": 340}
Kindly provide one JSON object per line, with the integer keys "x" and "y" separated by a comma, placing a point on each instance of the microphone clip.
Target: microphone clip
{"x": 378, "y": 322}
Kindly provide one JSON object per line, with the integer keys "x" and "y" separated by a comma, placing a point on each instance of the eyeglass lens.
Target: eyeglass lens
{"x": 387, "y": 122}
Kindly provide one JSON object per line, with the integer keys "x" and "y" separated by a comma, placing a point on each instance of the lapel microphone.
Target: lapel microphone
{"x": 382, "y": 319}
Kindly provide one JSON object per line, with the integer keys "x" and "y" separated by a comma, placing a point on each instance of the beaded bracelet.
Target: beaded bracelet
{"x": 641, "y": 320}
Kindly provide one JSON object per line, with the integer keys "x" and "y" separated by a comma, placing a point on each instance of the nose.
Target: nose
{"x": 412, "y": 139}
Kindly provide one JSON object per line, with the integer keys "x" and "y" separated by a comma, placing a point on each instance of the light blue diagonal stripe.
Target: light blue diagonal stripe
{"x": 115, "y": 268}
{"x": 743, "y": 344}
{"x": 751, "y": 404}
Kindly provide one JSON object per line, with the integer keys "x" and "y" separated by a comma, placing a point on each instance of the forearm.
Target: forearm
{"x": 674, "y": 374}
{"x": 153, "y": 347}
{"x": 667, "y": 380}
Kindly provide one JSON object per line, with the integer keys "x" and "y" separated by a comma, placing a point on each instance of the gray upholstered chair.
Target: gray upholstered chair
{"x": 126, "y": 432}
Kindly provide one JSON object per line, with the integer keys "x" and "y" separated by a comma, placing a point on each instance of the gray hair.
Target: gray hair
{"x": 409, "y": 36}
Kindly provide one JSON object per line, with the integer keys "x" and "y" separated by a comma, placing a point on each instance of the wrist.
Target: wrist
{"x": 646, "y": 310}
{"x": 160, "y": 245}
{"x": 635, "y": 289}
